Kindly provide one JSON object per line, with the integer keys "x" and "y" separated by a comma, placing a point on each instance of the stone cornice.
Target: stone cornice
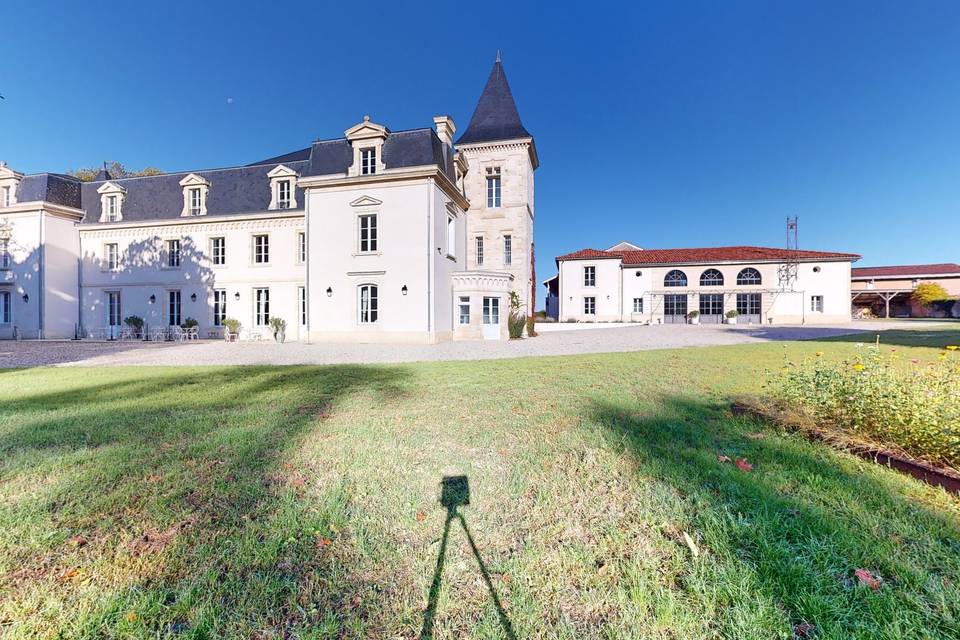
{"x": 475, "y": 148}
{"x": 36, "y": 206}
{"x": 414, "y": 173}
{"x": 194, "y": 225}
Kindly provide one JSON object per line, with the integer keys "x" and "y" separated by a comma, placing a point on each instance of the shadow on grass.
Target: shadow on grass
{"x": 180, "y": 481}
{"x": 920, "y": 337}
{"x": 454, "y": 493}
{"x": 793, "y": 530}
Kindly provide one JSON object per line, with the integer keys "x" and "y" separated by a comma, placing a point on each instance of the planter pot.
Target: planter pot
{"x": 731, "y": 321}
{"x": 695, "y": 320}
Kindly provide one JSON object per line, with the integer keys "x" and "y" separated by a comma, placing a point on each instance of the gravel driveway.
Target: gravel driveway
{"x": 587, "y": 340}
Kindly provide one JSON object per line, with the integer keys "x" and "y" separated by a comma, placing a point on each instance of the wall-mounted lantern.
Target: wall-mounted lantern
{"x": 403, "y": 290}
{"x": 193, "y": 297}
{"x": 26, "y": 297}
{"x": 152, "y": 298}
{"x": 236, "y": 296}
{"x": 329, "y": 292}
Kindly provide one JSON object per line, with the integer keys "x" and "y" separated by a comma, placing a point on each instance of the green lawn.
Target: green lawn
{"x": 305, "y": 502}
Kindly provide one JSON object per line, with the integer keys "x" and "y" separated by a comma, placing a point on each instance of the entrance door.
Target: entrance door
{"x": 711, "y": 308}
{"x": 748, "y": 308}
{"x": 491, "y": 318}
{"x": 675, "y": 308}
{"x": 113, "y": 315}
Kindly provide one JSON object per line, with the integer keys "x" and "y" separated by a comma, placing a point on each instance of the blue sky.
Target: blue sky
{"x": 669, "y": 125}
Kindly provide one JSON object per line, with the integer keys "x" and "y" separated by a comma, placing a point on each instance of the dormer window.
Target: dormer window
{"x": 9, "y": 181}
{"x": 111, "y": 202}
{"x": 7, "y": 196}
{"x": 195, "y": 191}
{"x": 368, "y": 161}
{"x": 493, "y": 187}
{"x": 283, "y": 188}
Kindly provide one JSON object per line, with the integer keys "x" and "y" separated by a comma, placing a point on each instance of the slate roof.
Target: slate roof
{"x": 706, "y": 255}
{"x": 50, "y": 187}
{"x": 496, "y": 116}
{"x": 240, "y": 190}
{"x": 907, "y": 270}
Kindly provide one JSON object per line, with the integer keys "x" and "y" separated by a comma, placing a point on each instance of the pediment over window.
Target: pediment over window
{"x": 193, "y": 180}
{"x": 195, "y": 191}
{"x": 281, "y": 171}
{"x": 110, "y": 187}
{"x": 366, "y": 130}
{"x": 366, "y": 201}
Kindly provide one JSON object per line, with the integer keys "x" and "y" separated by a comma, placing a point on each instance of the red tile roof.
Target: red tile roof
{"x": 907, "y": 270}
{"x": 707, "y": 255}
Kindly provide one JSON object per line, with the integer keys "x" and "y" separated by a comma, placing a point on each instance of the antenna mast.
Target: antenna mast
{"x": 787, "y": 272}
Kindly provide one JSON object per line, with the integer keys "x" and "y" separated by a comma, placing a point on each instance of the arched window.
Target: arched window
{"x": 367, "y": 304}
{"x": 711, "y": 278}
{"x": 749, "y": 276}
{"x": 675, "y": 278}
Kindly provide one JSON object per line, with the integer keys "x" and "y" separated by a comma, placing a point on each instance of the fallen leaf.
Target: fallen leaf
{"x": 77, "y": 541}
{"x": 691, "y": 544}
{"x": 502, "y": 452}
{"x": 804, "y": 630}
{"x": 722, "y": 459}
{"x": 69, "y": 573}
{"x": 865, "y": 577}
{"x": 153, "y": 478}
{"x": 743, "y": 465}
{"x": 755, "y": 436}
{"x": 324, "y": 542}
{"x": 131, "y": 617}
{"x": 297, "y": 481}
{"x": 421, "y": 516}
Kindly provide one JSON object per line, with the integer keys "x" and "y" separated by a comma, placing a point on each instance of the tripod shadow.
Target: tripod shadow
{"x": 455, "y": 492}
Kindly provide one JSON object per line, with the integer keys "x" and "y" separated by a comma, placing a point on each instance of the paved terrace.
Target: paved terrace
{"x": 582, "y": 339}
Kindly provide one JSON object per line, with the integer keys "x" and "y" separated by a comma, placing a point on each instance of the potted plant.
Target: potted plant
{"x": 189, "y": 323}
{"x": 232, "y": 326}
{"x": 732, "y": 316}
{"x": 516, "y": 320}
{"x": 694, "y": 317}
{"x": 279, "y": 328}
{"x": 136, "y": 325}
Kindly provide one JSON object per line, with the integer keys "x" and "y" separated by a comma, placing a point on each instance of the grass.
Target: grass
{"x": 305, "y": 502}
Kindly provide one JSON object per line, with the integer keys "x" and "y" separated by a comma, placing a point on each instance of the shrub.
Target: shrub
{"x": 927, "y": 293}
{"x": 516, "y": 321}
{"x": 910, "y": 405}
{"x": 232, "y": 325}
{"x": 531, "y": 328}
{"x": 134, "y": 322}
{"x": 189, "y": 323}
{"x": 693, "y": 314}
{"x": 279, "y": 328}
{"x": 733, "y": 313}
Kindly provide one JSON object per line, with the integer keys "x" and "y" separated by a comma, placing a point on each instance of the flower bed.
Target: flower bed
{"x": 908, "y": 404}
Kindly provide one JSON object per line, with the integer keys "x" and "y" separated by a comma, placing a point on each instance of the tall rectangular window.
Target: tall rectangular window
{"x": 368, "y": 310}
{"x": 112, "y": 209}
{"x": 507, "y": 250}
{"x": 479, "y": 251}
{"x": 261, "y": 249}
{"x": 816, "y": 304}
{"x": 195, "y": 201}
{"x": 7, "y": 196}
{"x": 451, "y": 236}
{"x": 218, "y": 250}
{"x": 219, "y": 307}
{"x": 589, "y": 276}
{"x": 113, "y": 255}
{"x": 301, "y": 247}
{"x": 589, "y": 306}
{"x": 302, "y": 304}
{"x": 283, "y": 194}
{"x": 261, "y": 312}
{"x": 173, "y": 308}
{"x": 5, "y": 259}
{"x": 493, "y": 187}
{"x": 368, "y": 233}
{"x": 464, "y": 308}
{"x": 113, "y": 308}
{"x": 368, "y": 161}
{"x": 638, "y": 305}
{"x": 173, "y": 254}
{"x": 6, "y": 313}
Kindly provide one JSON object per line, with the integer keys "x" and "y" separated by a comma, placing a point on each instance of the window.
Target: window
{"x": 112, "y": 209}
{"x": 590, "y": 306}
{"x": 816, "y": 304}
{"x": 451, "y": 236}
{"x": 283, "y": 194}
{"x": 219, "y": 307}
{"x": 113, "y": 256}
{"x": 7, "y": 196}
{"x": 301, "y": 247}
{"x": 195, "y": 201}
{"x": 638, "y": 305}
{"x": 261, "y": 249}
{"x": 590, "y": 276}
{"x": 368, "y": 304}
{"x": 302, "y": 305}
{"x": 173, "y": 254}
{"x": 479, "y": 251}
{"x": 464, "y": 308}
{"x": 493, "y": 187}
{"x": 173, "y": 308}
{"x": 6, "y": 315}
{"x": 5, "y": 258}
{"x": 507, "y": 250}
{"x": 711, "y": 278}
{"x": 218, "y": 248}
{"x": 368, "y": 233}
{"x": 368, "y": 161}
{"x": 749, "y": 276}
{"x": 675, "y": 278}
{"x": 261, "y": 309}
{"x": 491, "y": 310}
{"x": 113, "y": 308}
{"x": 748, "y": 304}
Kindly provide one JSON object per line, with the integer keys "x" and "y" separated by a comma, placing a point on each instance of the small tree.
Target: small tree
{"x": 232, "y": 326}
{"x": 279, "y": 328}
{"x": 189, "y": 323}
{"x": 927, "y": 293}
{"x": 516, "y": 320}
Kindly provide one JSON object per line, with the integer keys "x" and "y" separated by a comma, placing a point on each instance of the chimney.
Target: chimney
{"x": 445, "y": 129}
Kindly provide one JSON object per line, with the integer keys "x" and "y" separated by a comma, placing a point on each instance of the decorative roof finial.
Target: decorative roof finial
{"x": 498, "y": 55}
{"x": 366, "y": 118}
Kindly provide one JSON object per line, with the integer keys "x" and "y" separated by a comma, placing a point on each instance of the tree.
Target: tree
{"x": 926, "y": 293}
{"x": 115, "y": 169}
